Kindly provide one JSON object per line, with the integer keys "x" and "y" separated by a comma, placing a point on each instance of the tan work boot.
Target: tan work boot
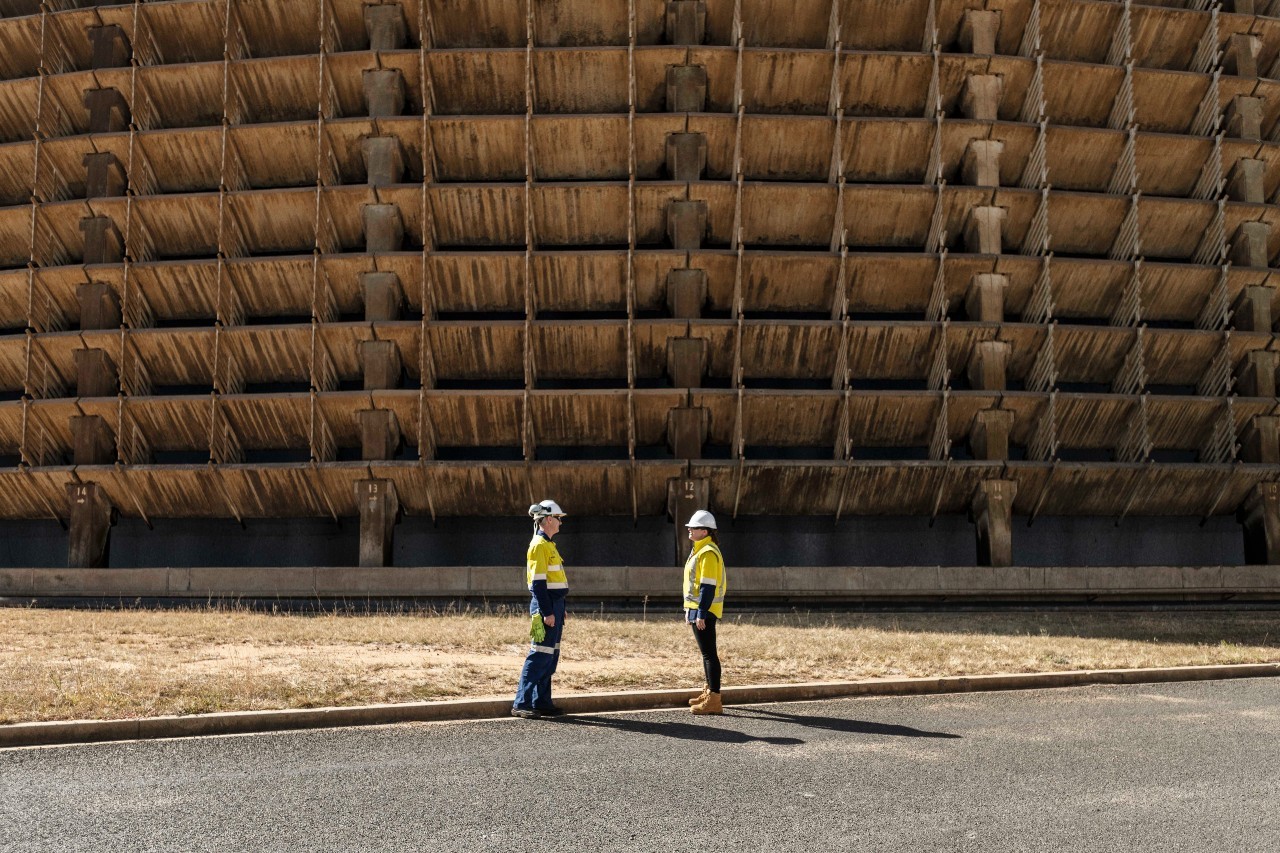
{"x": 710, "y": 705}
{"x": 701, "y": 697}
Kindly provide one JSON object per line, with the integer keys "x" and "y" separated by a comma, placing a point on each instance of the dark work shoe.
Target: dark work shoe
{"x": 527, "y": 713}
{"x": 551, "y": 711}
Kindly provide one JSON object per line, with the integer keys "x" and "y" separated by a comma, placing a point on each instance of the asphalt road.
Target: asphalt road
{"x": 1192, "y": 766}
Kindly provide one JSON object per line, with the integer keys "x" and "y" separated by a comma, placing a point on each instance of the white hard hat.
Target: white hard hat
{"x": 545, "y": 508}
{"x": 702, "y": 518}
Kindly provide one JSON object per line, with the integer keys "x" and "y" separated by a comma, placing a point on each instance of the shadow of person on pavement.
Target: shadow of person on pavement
{"x": 836, "y": 724}
{"x": 684, "y": 731}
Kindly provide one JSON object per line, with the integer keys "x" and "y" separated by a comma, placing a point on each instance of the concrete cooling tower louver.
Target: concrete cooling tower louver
{"x": 326, "y": 259}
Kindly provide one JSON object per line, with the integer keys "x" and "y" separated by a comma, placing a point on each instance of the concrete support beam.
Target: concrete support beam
{"x": 104, "y": 175}
{"x": 1241, "y": 55}
{"x": 1259, "y": 515}
{"x": 989, "y": 434}
{"x": 686, "y": 21}
{"x": 95, "y": 374}
{"x": 1249, "y": 245}
{"x": 992, "y": 512}
{"x": 685, "y": 496}
{"x": 984, "y": 230}
{"x": 91, "y": 441}
{"x": 379, "y": 434}
{"x": 383, "y": 159}
{"x": 386, "y": 27}
{"x": 383, "y": 92}
{"x": 978, "y": 31}
{"x": 686, "y": 89}
{"x": 381, "y": 365}
{"x": 1244, "y": 118}
{"x": 379, "y": 508}
{"x": 110, "y": 47}
{"x": 687, "y": 430}
{"x": 984, "y": 300}
{"x": 383, "y": 296}
{"x": 102, "y": 241}
{"x": 686, "y": 223}
{"x": 1260, "y": 441}
{"x": 383, "y": 228}
{"x": 1252, "y": 309}
{"x": 1256, "y": 376}
{"x": 108, "y": 110}
{"x": 1246, "y": 181}
{"x": 89, "y": 530}
{"x": 99, "y": 306}
{"x": 981, "y": 164}
{"x": 686, "y": 361}
{"x": 980, "y": 99}
{"x": 686, "y": 293}
{"x": 686, "y": 156}
{"x": 988, "y": 364}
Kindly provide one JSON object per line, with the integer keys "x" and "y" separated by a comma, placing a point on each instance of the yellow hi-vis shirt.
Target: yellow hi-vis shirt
{"x": 544, "y": 564}
{"x": 705, "y": 566}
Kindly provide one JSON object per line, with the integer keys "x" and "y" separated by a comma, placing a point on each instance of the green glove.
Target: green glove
{"x": 537, "y": 631}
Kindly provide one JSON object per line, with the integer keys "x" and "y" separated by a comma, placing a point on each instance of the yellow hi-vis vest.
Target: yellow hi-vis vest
{"x": 544, "y": 564}
{"x": 705, "y": 566}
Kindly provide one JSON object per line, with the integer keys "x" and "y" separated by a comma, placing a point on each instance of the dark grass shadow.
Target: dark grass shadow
{"x": 837, "y": 724}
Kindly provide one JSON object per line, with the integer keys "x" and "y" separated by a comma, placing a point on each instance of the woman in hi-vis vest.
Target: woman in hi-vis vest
{"x": 704, "y": 588}
{"x": 548, "y": 587}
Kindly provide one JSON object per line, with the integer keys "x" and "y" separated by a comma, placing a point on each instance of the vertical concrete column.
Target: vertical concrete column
{"x": 383, "y": 228}
{"x": 686, "y": 223}
{"x": 383, "y": 296}
{"x": 686, "y": 156}
{"x": 685, "y": 496}
{"x": 109, "y": 47}
{"x": 104, "y": 175}
{"x": 379, "y": 434}
{"x": 1251, "y": 311}
{"x": 984, "y": 300}
{"x": 383, "y": 160}
{"x": 99, "y": 306}
{"x": 1246, "y": 181}
{"x": 988, "y": 364}
{"x": 686, "y": 361}
{"x": 686, "y": 293}
{"x": 1260, "y": 441}
{"x": 383, "y": 92}
{"x": 992, "y": 513}
{"x": 978, "y": 31}
{"x": 1256, "y": 376}
{"x": 1241, "y": 56}
{"x": 108, "y": 110}
{"x": 91, "y": 441}
{"x": 1259, "y": 515}
{"x": 981, "y": 164}
{"x": 380, "y": 362}
{"x": 989, "y": 434}
{"x": 984, "y": 230}
{"x": 386, "y": 27}
{"x": 1249, "y": 245}
{"x": 686, "y": 21}
{"x": 379, "y": 507}
{"x": 102, "y": 241}
{"x": 95, "y": 374}
{"x": 687, "y": 429}
{"x": 686, "y": 88}
{"x": 980, "y": 99}
{"x": 89, "y": 534}
{"x": 1244, "y": 118}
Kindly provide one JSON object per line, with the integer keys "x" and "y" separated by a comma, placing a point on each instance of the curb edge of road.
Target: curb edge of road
{"x": 250, "y": 722}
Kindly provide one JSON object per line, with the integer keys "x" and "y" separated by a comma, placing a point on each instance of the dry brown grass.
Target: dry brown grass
{"x": 63, "y": 664}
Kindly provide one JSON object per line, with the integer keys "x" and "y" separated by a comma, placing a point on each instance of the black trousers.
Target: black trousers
{"x": 707, "y": 645}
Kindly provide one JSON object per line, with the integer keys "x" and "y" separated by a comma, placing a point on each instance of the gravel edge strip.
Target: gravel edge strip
{"x": 246, "y": 722}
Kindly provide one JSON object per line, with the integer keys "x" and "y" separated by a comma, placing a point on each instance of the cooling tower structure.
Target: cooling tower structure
{"x": 995, "y": 259}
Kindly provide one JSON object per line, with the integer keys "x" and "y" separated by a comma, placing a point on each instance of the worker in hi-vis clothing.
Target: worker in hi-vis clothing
{"x": 704, "y": 588}
{"x": 548, "y": 587}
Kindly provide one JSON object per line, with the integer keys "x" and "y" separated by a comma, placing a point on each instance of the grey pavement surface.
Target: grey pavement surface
{"x": 1173, "y": 767}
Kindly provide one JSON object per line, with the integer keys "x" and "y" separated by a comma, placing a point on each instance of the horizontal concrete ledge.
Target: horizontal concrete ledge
{"x": 778, "y": 584}
{"x": 246, "y": 722}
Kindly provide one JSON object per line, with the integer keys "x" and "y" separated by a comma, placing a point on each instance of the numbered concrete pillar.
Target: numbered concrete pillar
{"x": 685, "y": 496}
{"x": 992, "y": 512}
{"x": 89, "y": 528}
{"x": 1259, "y": 516}
{"x": 378, "y": 507}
